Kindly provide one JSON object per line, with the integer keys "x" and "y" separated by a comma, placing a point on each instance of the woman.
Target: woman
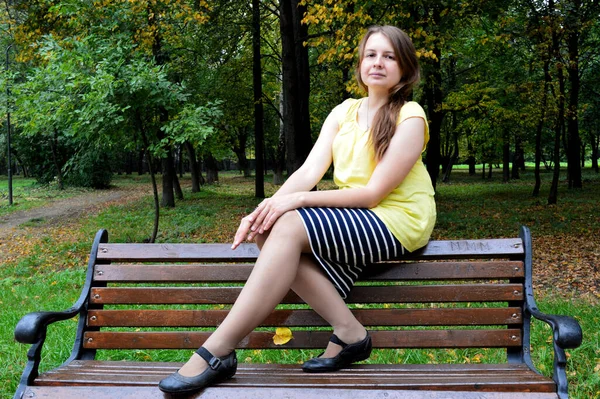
{"x": 384, "y": 206}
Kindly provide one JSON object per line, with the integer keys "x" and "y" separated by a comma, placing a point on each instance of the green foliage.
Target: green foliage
{"x": 193, "y": 124}
{"x": 89, "y": 169}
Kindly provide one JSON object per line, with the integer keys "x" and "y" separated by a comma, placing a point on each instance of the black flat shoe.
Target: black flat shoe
{"x": 219, "y": 369}
{"x": 350, "y": 353}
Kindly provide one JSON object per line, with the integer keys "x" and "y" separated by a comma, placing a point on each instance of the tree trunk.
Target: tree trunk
{"x": 573, "y": 157}
{"x": 243, "y": 164}
{"x": 194, "y": 167}
{"x": 471, "y": 158}
{"x": 453, "y": 157}
{"x": 540, "y": 128}
{"x": 168, "y": 176}
{"x": 259, "y": 137}
{"x": 20, "y": 162}
{"x": 179, "y": 161}
{"x": 140, "y": 127}
{"x": 279, "y": 164}
{"x": 296, "y": 84}
{"x": 559, "y": 124}
{"x": 595, "y": 141}
{"x": 55, "y": 156}
{"x": 518, "y": 159}
{"x": 177, "y": 187}
{"x": 212, "y": 169}
{"x": 506, "y": 157}
{"x": 434, "y": 95}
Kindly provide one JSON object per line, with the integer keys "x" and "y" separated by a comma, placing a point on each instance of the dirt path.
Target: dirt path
{"x": 13, "y": 229}
{"x": 61, "y": 209}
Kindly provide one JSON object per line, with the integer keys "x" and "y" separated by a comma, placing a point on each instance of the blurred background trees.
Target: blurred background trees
{"x": 98, "y": 87}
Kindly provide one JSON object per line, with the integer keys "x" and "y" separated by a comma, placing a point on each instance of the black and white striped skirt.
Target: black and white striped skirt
{"x": 345, "y": 240}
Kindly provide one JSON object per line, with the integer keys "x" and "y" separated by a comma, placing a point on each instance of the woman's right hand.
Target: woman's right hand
{"x": 243, "y": 231}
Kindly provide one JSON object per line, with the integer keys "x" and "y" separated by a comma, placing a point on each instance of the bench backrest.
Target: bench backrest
{"x": 450, "y": 294}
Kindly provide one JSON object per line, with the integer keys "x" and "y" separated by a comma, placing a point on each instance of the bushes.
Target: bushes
{"x": 89, "y": 169}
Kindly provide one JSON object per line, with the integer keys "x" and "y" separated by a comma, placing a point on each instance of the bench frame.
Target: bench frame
{"x": 567, "y": 333}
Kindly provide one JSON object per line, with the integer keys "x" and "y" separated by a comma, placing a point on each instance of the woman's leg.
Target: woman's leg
{"x": 319, "y": 293}
{"x": 273, "y": 275}
{"x": 271, "y": 278}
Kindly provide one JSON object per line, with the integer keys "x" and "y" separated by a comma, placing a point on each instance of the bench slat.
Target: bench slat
{"x": 460, "y": 249}
{"x": 308, "y": 339}
{"x": 240, "y": 272}
{"x": 295, "y": 318}
{"x": 359, "y": 294}
{"x": 150, "y": 392}
{"x": 465, "y": 377}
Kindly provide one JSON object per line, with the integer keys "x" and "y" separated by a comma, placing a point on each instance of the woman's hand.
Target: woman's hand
{"x": 264, "y": 216}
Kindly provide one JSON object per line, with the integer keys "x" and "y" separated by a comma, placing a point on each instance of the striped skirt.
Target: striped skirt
{"x": 345, "y": 240}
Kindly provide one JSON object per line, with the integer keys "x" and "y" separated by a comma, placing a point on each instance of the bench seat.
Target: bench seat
{"x": 452, "y": 295}
{"x": 482, "y": 379}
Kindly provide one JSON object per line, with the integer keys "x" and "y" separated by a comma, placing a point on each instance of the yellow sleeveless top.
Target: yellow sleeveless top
{"x": 409, "y": 210}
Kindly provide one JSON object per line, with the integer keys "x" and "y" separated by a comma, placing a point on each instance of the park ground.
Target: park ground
{"x": 46, "y": 235}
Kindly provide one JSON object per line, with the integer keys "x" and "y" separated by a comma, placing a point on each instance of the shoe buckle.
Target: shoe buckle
{"x": 215, "y": 363}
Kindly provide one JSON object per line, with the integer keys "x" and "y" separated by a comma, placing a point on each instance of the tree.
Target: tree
{"x": 296, "y": 83}
{"x": 258, "y": 104}
{"x": 431, "y": 26}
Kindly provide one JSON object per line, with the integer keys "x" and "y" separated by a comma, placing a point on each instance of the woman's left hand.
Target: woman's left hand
{"x": 264, "y": 216}
{"x": 270, "y": 209}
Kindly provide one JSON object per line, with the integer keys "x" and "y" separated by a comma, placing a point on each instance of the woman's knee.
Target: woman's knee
{"x": 261, "y": 238}
{"x": 289, "y": 227}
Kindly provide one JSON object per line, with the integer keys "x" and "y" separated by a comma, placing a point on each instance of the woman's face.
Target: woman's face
{"x": 379, "y": 68}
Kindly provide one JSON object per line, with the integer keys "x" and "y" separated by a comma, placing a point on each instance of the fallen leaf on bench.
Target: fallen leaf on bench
{"x": 282, "y": 336}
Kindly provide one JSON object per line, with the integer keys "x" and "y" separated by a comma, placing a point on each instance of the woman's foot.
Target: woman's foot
{"x": 346, "y": 355}
{"x": 333, "y": 349}
{"x": 214, "y": 370}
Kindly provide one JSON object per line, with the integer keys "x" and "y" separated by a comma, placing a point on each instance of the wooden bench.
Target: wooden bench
{"x": 451, "y": 294}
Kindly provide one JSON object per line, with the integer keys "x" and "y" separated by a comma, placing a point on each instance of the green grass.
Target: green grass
{"x": 49, "y": 275}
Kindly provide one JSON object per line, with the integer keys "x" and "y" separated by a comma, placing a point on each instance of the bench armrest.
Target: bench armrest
{"x": 565, "y": 329}
{"x": 32, "y": 327}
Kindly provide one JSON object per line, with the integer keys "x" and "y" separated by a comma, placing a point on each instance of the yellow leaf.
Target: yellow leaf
{"x": 282, "y": 336}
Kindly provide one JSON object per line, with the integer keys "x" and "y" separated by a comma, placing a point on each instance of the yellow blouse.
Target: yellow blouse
{"x": 409, "y": 210}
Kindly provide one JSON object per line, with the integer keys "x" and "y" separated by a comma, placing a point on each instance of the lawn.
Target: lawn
{"x": 46, "y": 264}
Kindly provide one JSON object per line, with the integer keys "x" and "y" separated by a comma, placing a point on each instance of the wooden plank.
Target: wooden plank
{"x": 176, "y": 252}
{"x": 228, "y": 392}
{"x": 296, "y": 318}
{"x": 379, "y": 272}
{"x": 467, "y": 249}
{"x": 465, "y": 270}
{"x": 457, "y": 249}
{"x": 172, "y": 273}
{"x": 419, "y": 378}
{"x": 307, "y": 339}
{"x": 359, "y": 294}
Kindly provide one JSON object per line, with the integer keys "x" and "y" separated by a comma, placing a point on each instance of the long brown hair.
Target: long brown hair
{"x": 384, "y": 122}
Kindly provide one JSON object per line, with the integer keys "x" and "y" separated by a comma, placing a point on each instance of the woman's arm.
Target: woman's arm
{"x": 302, "y": 180}
{"x": 318, "y": 161}
{"x": 403, "y": 152}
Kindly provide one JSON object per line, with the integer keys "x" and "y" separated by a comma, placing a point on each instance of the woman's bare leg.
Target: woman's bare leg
{"x": 319, "y": 293}
{"x": 271, "y": 278}
{"x": 273, "y": 275}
